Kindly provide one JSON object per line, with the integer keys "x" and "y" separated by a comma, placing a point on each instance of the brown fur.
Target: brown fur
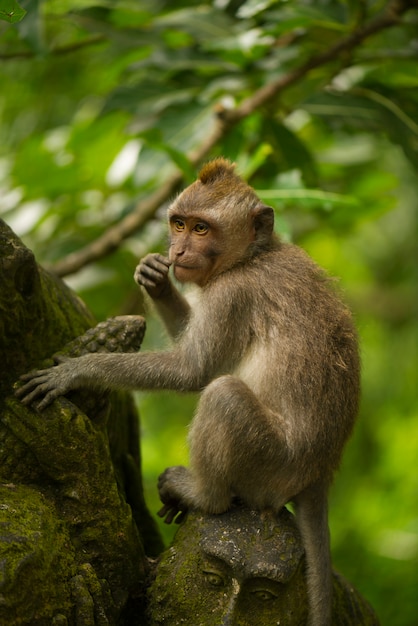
{"x": 273, "y": 350}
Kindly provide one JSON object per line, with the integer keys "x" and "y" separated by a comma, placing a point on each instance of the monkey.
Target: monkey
{"x": 269, "y": 345}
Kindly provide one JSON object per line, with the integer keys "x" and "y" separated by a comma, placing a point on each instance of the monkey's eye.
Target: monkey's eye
{"x": 179, "y": 224}
{"x": 213, "y": 578}
{"x": 201, "y": 229}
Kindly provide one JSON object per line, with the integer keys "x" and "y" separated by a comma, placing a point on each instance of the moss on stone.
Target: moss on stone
{"x": 70, "y": 548}
{"x": 242, "y": 568}
{"x": 37, "y": 558}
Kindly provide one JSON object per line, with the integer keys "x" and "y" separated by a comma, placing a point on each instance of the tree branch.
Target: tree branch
{"x": 225, "y": 119}
{"x": 58, "y": 51}
{"x": 390, "y": 18}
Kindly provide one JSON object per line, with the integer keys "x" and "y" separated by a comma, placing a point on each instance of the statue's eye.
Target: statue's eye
{"x": 265, "y": 595}
{"x": 213, "y": 578}
{"x": 179, "y": 224}
{"x": 201, "y": 229}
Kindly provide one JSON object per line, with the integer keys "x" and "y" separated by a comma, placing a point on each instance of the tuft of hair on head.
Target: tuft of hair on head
{"x": 217, "y": 170}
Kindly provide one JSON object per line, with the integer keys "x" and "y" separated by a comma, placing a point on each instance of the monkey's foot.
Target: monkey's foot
{"x": 172, "y": 486}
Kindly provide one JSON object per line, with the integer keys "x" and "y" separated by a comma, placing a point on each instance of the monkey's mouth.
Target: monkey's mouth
{"x": 185, "y": 267}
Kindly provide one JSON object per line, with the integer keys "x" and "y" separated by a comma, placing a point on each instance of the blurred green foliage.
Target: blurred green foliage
{"x": 100, "y": 101}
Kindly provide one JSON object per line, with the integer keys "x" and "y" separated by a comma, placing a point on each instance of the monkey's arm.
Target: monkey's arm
{"x": 209, "y": 346}
{"x": 152, "y": 274}
{"x": 159, "y": 370}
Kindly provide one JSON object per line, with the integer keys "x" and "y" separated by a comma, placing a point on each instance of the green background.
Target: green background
{"x": 101, "y": 101}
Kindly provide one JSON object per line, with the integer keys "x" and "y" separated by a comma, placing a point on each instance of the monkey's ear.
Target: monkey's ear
{"x": 263, "y": 222}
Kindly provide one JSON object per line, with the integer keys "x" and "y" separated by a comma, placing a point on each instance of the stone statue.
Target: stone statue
{"x": 242, "y": 568}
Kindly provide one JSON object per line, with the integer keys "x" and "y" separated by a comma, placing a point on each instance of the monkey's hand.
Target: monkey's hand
{"x": 152, "y": 273}
{"x": 171, "y": 485}
{"x": 50, "y": 383}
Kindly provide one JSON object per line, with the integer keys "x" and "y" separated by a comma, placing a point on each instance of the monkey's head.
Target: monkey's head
{"x": 215, "y": 223}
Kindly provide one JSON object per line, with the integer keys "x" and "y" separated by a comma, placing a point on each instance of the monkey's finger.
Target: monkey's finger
{"x": 49, "y": 398}
{"x": 168, "y": 513}
{"x": 143, "y": 281}
{"x": 155, "y": 274}
{"x": 148, "y": 281}
{"x": 33, "y": 374}
{"x": 155, "y": 271}
{"x": 164, "y": 510}
{"x": 163, "y": 260}
{"x": 170, "y": 517}
{"x": 38, "y": 384}
{"x": 156, "y": 261}
{"x": 31, "y": 385}
{"x": 31, "y": 394}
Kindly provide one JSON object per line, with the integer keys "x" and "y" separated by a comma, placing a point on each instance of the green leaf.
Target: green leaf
{"x": 253, "y": 7}
{"x": 181, "y": 161}
{"x": 307, "y": 198}
{"x": 203, "y": 23}
{"x": 154, "y": 139}
{"x": 146, "y": 99}
{"x": 290, "y": 150}
{"x": 11, "y": 11}
{"x": 32, "y": 28}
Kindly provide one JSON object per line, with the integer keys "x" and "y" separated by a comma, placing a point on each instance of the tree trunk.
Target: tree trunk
{"x": 75, "y": 528}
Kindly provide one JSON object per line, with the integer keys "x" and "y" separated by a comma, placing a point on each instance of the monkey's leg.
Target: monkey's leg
{"x": 237, "y": 448}
{"x": 312, "y": 518}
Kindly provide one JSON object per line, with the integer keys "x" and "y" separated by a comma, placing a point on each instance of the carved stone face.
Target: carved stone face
{"x": 242, "y": 568}
{"x": 237, "y": 569}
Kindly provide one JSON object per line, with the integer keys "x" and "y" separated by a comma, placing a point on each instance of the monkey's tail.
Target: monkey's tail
{"x": 312, "y": 519}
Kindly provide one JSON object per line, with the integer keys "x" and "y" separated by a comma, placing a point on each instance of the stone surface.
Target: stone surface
{"x": 242, "y": 568}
